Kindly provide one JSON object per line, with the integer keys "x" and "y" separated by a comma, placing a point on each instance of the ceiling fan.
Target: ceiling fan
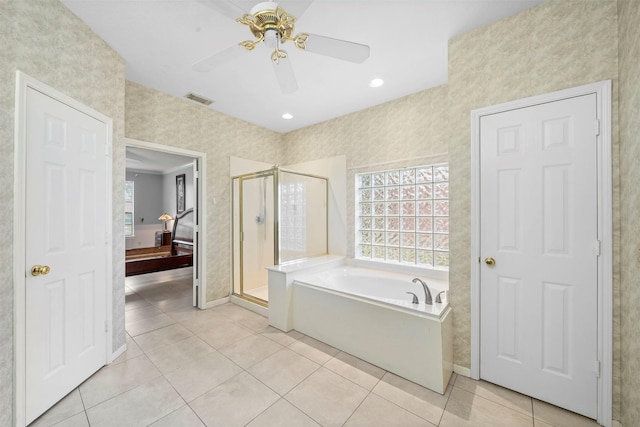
{"x": 271, "y": 24}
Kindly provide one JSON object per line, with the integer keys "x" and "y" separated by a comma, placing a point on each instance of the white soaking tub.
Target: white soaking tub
{"x": 367, "y": 313}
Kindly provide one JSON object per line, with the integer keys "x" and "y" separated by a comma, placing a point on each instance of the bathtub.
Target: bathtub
{"x": 367, "y": 313}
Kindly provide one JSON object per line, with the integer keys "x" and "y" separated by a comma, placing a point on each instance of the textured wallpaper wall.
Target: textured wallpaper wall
{"x": 409, "y": 131}
{"x": 46, "y": 41}
{"x": 163, "y": 119}
{"x": 629, "y": 63}
{"x": 557, "y": 45}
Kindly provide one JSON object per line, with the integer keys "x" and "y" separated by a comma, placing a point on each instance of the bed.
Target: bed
{"x": 178, "y": 254}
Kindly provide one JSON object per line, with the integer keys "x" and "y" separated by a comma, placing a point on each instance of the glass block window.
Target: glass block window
{"x": 402, "y": 216}
{"x": 293, "y": 218}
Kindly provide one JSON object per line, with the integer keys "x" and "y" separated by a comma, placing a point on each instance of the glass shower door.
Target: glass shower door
{"x": 255, "y": 237}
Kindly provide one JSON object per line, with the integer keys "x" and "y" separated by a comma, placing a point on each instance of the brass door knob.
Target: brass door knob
{"x": 490, "y": 261}
{"x": 40, "y": 270}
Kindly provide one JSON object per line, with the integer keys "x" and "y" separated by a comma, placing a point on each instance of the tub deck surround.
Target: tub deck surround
{"x": 281, "y": 278}
{"x": 367, "y": 313}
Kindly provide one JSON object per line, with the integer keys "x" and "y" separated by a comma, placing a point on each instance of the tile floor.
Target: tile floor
{"x": 226, "y": 367}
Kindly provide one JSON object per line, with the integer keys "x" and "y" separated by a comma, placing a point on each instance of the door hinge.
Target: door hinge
{"x": 196, "y": 174}
{"x": 597, "y": 127}
{"x": 596, "y": 247}
{"x": 597, "y": 369}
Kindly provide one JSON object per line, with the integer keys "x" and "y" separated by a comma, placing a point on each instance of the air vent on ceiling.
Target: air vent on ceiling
{"x": 197, "y": 98}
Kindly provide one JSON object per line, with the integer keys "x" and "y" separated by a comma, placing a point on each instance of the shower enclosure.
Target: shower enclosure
{"x": 278, "y": 216}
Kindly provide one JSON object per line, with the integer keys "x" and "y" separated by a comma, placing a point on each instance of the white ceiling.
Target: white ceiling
{"x": 154, "y": 162}
{"x": 160, "y": 40}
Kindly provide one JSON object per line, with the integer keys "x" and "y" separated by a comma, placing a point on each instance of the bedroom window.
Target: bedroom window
{"x": 128, "y": 208}
{"x": 402, "y": 216}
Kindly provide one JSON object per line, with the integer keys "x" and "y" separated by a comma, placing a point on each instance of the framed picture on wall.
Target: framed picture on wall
{"x": 180, "y": 196}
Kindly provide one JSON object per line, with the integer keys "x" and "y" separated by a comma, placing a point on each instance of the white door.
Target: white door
{"x": 66, "y": 234}
{"x": 539, "y": 223}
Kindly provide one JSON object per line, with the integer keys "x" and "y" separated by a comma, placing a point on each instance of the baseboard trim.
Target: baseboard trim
{"x": 216, "y": 302}
{"x": 462, "y": 370}
{"x": 263, "y": 311}
{"x": 119, "y": 352}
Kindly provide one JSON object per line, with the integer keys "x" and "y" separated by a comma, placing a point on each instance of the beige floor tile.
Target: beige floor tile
{"x": 171, "y": 357}
{"x": 251, "y": 350}
{"x": 67, "y": 407}
{"x": 133, "y": 350}
{"x": 78, "y": 420}
{"x": 116, "y": 379}
{"x": 242, "y": 316}
{"x": 414, "y": 398}
{"x": 140, "y": 406}
{"x": 254, "y": 321}
{"x": 327, "y": 397}
{"x": 200, "y": 375}
{"x": 142, "y": 326}
{"x": 282, "y": 413}
{"x": 468, "y": 409}
{"x": 357, "y": 370}
{"x": 175, "y": 303}
{"x": 183, "y": 417}
{"x": 313, "y": 349}
{"x": 207, "y": 321}
{"x": 282, "y": 338}
{"x": 283, "y": 370}
{"x": 164, "y": 336}
{"x": 497, "y": 394}
{"x": 234, "y": 403}
{"x": 376, "y": 411}
{"x": 559, "y": 417}
{"x": 232, "y": 311}
{"x": 133, "y": 301}
{"x": 196, "y": 317}
{"x": 141, "y": 313}
{"x": 221, "y": 335}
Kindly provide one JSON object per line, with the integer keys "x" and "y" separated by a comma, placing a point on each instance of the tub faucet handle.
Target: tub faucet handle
{"x": 415, "y": 298}
{"x": 438, "y": 299}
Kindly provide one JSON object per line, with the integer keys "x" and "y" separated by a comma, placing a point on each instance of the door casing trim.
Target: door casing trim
{"x": 201, "y": 211}
{"x": 23, "y": 83}
{"x": 605, "y": 234}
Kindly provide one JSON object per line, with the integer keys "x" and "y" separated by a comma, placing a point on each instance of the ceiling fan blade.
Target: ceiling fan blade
{"x": 295, "y": 7}
{"x": 215, "y": 60}
{"x": 336, "y": 48}
{"x": 285, "y": 76}
{"x": 225, "y": 7}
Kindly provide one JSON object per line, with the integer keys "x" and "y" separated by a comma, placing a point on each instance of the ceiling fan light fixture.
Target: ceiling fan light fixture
{"x": 377, "y": 82}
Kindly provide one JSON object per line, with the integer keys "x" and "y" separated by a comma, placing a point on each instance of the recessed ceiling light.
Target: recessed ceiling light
{"x": 287, "y": 116}
{"x": 377, "y": 82}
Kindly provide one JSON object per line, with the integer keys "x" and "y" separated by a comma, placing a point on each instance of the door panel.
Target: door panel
{"x": 539, "y": 222}
{"x": 66, "y": 231}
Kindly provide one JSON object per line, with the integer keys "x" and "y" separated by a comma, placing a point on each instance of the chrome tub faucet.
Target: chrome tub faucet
{"x": 427, "y": 293}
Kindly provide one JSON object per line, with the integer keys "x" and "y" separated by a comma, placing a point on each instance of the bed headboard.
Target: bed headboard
{"x": 183, "y": 228}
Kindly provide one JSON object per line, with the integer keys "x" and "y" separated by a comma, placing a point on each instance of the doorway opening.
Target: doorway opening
{"x": 556, "y": 354}
{"x": 164, "y": 219}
